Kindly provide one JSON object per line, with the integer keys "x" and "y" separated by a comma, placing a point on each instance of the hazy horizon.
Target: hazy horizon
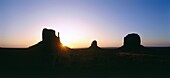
{"x": 82, "y": 21}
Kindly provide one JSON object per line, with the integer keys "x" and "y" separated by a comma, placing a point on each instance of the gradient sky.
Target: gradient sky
{"x": 82, "y": 21}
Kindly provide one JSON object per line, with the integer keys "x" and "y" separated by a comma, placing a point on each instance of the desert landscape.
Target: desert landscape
{"x": 49, "y": 58}
{"x": 84, "y": 38}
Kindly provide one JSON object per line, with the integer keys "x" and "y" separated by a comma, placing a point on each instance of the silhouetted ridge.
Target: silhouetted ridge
{"x": 94, "y": 45}
{"x": 132, "y": 42}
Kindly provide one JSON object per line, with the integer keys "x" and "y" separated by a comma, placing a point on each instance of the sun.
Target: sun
{"x": 64, "y": 43}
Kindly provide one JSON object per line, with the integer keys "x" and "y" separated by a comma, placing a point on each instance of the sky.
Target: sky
{"x": 82, "y": 21}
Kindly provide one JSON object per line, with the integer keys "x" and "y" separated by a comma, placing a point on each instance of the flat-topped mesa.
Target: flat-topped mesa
{"x": 48, "y": 35}
{"x": 94, "y": 45}
{"x": 49, "y": 38}
{"x": 132, "y": 42}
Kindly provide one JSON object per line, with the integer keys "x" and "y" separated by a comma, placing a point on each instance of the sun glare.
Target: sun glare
{"x": 65, "y": 43}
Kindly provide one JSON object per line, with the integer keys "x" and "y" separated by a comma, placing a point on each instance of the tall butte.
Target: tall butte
{"x": 50, "y": 39}
{"x": 132, "y": 42}
{"x": 47, "y": 50}
{"x": 94, "y": 45}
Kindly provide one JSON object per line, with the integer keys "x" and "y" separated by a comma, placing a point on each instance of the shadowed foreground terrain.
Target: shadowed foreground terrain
{"x": 49, "y": 58}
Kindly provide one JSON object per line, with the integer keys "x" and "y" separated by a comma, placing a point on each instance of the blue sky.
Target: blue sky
{"x": 82, "y": 21}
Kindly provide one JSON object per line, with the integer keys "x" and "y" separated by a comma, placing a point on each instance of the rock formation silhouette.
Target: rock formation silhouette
{"x": 48, "y": 49}
{"x": 94, "y": 45}
{"x": 50, "y": 39}
{"x": 46, "y": 59}
{"x": 132, "y": 42}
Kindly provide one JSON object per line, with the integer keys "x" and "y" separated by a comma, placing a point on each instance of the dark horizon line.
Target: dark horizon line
{"x": 85, "y": 47}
